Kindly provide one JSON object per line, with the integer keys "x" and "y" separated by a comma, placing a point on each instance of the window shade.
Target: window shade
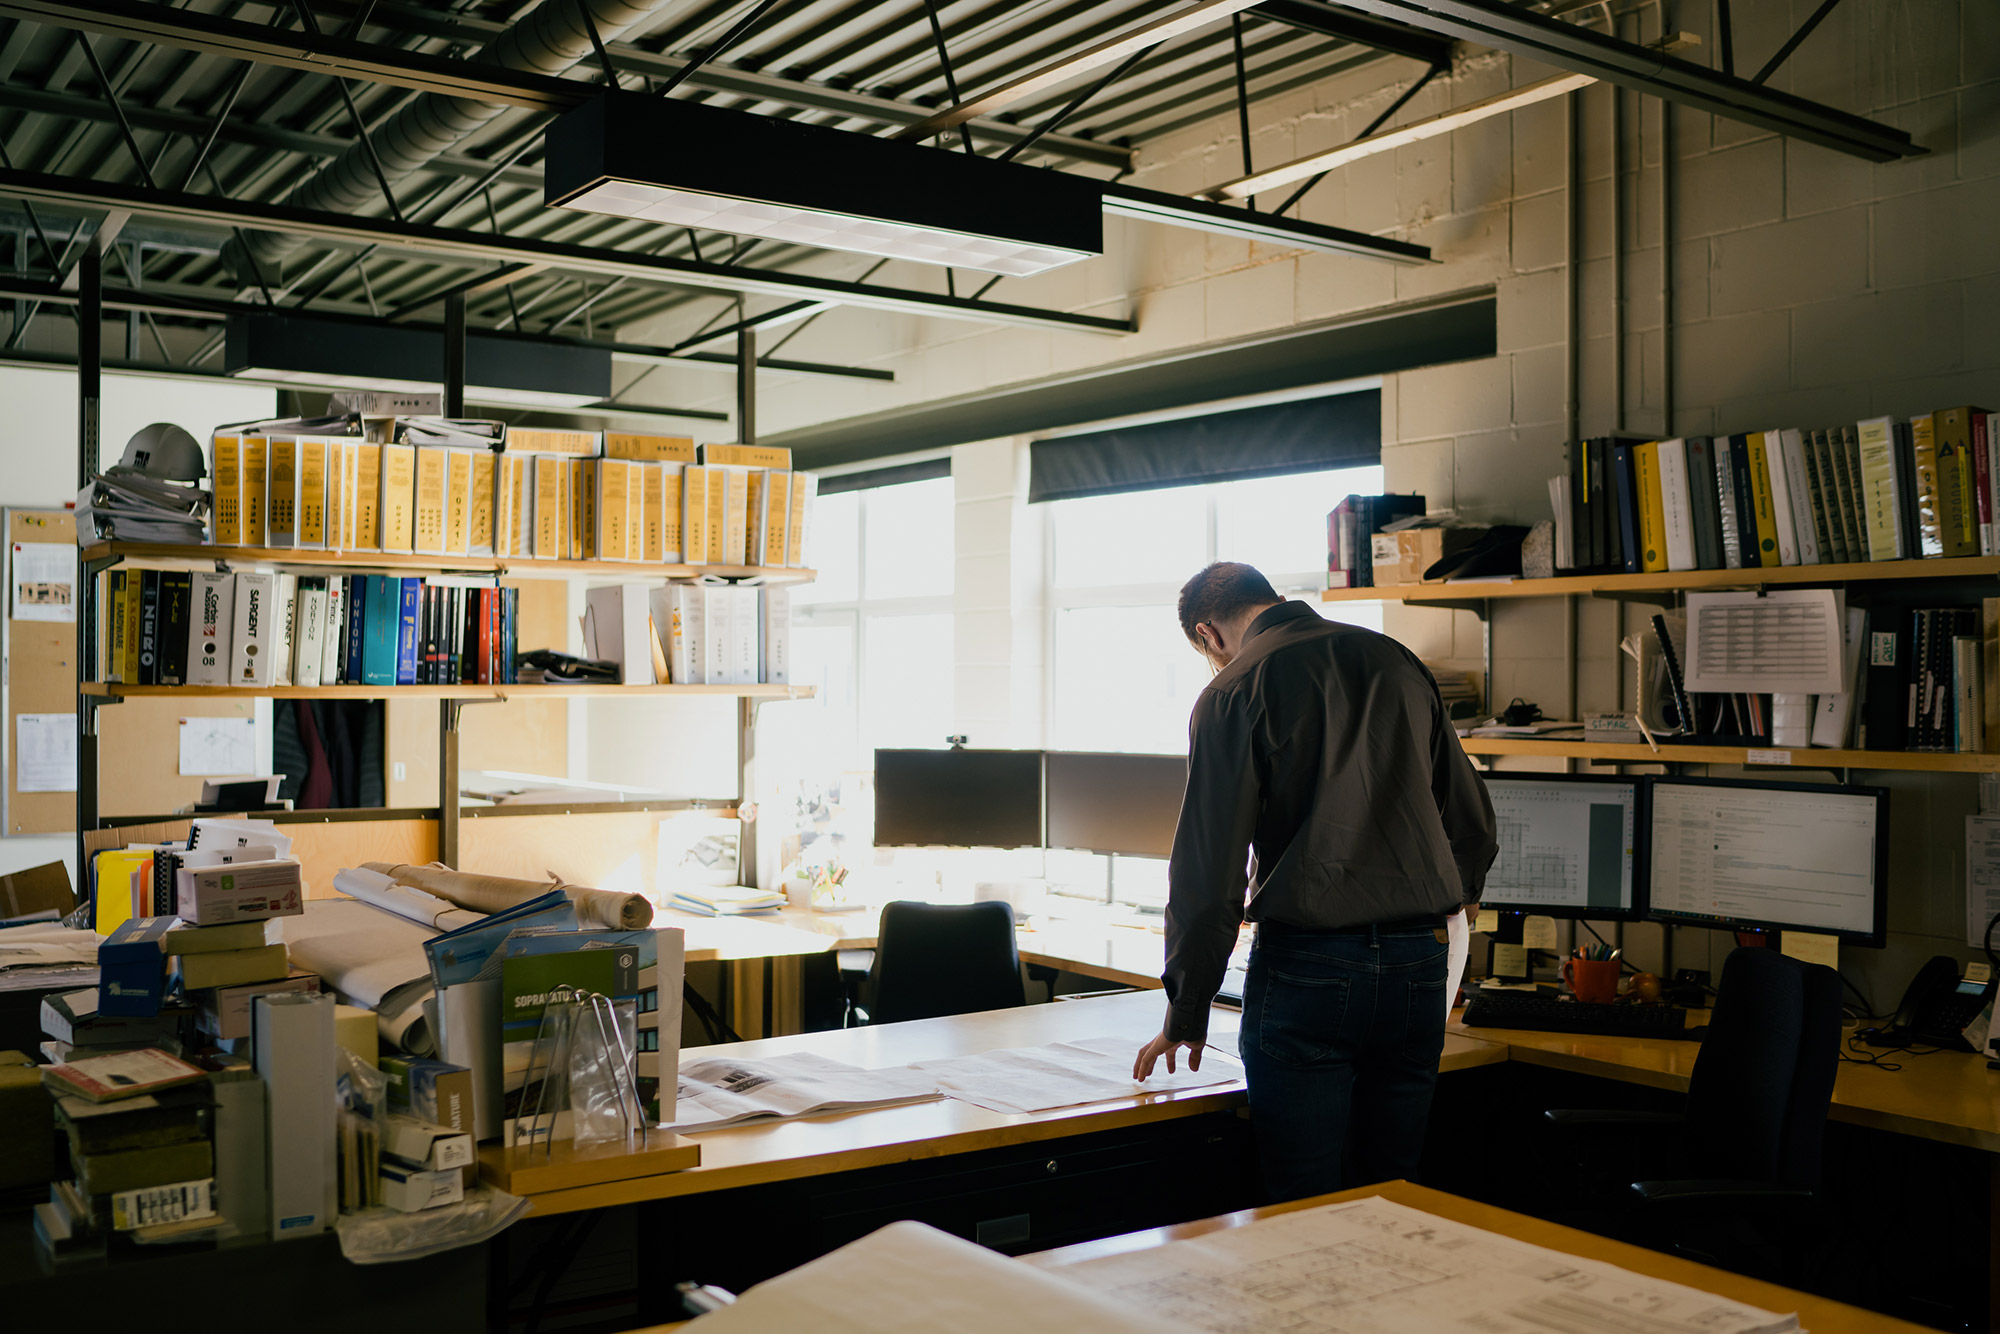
{"x": 1311, "y": 435}
{"x": 895, "y": 475}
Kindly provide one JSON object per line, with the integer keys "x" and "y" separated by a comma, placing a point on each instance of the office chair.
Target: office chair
{"x": 1742, "y": 1188}
{"x": 938, "y": 959}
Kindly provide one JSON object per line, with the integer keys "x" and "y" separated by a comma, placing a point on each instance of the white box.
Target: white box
{"x": 421, "y": 1146}
{"x": 292, "y": 1045}
{"x": 210, "y": 621}
{"x": 776, "y": 666}
{"x": 412, "y": 1191}
{"x": 254, "y": 632}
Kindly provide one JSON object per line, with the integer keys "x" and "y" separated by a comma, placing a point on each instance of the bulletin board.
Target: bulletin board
{"x": 41, "y": 674}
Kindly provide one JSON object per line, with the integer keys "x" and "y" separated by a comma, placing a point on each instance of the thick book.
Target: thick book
{"x": 1968, "y": 695}
{"x": 1729, "y": 517}
{"x": 281, "y": 510}
{"x": 255, "y": 452}
{"x": 1763, "y": 513}
{"x": 1826, "y": 531}
{"x": 115, "y": 595}
{"x": 396, "y": 522}
{"x": 1885, "y": 693}
{"x": 1902, "y": 437}
{"x": 1923, "y": 437}
{"x": 1784, "y": 517}
{"x": 214, "y": 607}
{"x": 309, "y": 631}
{"x": 1834, "y": 714}
{"x": 1842, "y": 445}
{"x": 125, "y": 1074}
{"x": 1856, "y": 497}
{"x": 1798, "y": 494}
{"x": 333, "y": 630}
{"x": 1583, "y": 547}
{"x": 149, "y": 627}
{"x": 354, "y": 658}
{"x": 1958, "y": 435}
{"x": 231, "y": 968}
{"x": 1652, "y": 516}
{"x": 510, "y": 651}
{"x": 176, "y": 614}
{"x": 1702, "y": 499}
{"x": 381, "y": 610}
{"x": 1982, "y": 481}
{"x": 252, "y": 658}
{"x": 407, "y": 645}
{"x": 1625, "y": 481}
{"x": 1676, "y": 505}
{"x": 226, "y": 519}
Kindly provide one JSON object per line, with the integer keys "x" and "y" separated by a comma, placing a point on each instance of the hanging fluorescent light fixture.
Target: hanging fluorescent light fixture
{"x": 332, "y": 352}
{"x": 687, "y": 164}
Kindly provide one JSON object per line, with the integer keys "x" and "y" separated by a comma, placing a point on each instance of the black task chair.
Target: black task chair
{"x": 938, "y": 959}
{"x": 1742, "y": 1159}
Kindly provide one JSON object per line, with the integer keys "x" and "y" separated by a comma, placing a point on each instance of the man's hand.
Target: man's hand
{"x": 1150, "y": 1054}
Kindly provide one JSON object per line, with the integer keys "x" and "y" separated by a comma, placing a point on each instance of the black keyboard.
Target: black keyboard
{"x": 1549, "y": 1014}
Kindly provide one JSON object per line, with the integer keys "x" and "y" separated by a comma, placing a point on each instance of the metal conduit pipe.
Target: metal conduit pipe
{"x": 548, "y": 40}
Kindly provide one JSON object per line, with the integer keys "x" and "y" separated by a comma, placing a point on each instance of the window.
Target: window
{"x": 1122, "y": 675}
{"x": 873, "y": 635}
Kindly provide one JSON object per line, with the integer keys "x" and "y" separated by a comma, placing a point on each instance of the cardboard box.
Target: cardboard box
{"x": 421, "y": 1146}
{"x": 231, "y": 968}
{"x": 245, "y": 892}
{"x": 132, "y": 967}
{"x": 433, "y": 1091}
{"x": 225, "y": 1011}
{"x": 411, "y": 1191}
{"x": 1401, "y": 557}
{"x": 356, "y": 1032}
{"x": 185, "y": 939}
{"x": 37, "y": 889}
{"x": 293, "y": 1050}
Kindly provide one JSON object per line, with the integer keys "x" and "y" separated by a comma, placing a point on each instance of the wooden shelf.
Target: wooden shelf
{"x": 510, "y": 566}
{"x": 1808, "y": 757}
{"x": 1684, "y": 581}
{"x": 113, "y": 690}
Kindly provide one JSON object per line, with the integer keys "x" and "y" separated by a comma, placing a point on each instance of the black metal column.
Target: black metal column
{"x": 89, "y": 405}
{"x": 454, "y": 355}
{"x": 746, "y": 387}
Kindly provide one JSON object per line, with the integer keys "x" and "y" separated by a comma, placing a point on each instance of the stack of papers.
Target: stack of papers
{"x": 450, "y": 431}
{"x": 1545, "y": 727}
{"x": 724, "y": 1092}
{"x": 1065, "y": 1074}
{"x": 130, "y": 507}
{"x": 727, "y": 901}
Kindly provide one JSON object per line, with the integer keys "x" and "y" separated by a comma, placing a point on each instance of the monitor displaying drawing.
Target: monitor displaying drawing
{"x": 1570, "y": 845}
{"x": 958, "y": 798}
{"x": 1734, "y": 854}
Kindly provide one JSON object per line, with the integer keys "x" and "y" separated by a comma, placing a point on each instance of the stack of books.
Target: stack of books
{"x": 1879, "y": 489}
{"x": 75, "y": 1029}
{"x": 139, "y": 1127}
{"x": 727, "y": 901}
{"x": 168, "y": 627}
{"x": 456, "y": 488}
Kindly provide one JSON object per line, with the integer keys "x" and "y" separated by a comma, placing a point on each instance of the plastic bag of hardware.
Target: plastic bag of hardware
{"x": 604, "y": 1101}
{"x": 380, "y": 1235}
{"x": 362, "y": 1094}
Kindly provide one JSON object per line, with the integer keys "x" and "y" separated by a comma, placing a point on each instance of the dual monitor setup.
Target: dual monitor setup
{"x": 1729, "y": 854}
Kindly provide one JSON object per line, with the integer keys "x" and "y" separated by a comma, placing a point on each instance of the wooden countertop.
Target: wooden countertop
{"x": 811, "y": 1146}
{"x": 1817, "y": 1314}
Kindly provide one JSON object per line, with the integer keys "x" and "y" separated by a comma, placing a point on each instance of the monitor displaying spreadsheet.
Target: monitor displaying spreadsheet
{"x": 1741, "y": 855}
{"x": 1570, "y": 845}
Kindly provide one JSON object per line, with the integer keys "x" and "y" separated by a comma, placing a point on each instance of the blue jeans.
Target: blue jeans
{"x": 1341, "y": 1037}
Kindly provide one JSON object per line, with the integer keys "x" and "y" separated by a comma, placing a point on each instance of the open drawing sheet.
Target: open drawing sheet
{"x": 1374, "y": 1266}
{"x": 911, "y": 1279}
{"x": 721, "y": 1091}
{"x": 370, "y": 957}
{"x": 1065, "y": 1074}
{"x": 1787, "y": 641}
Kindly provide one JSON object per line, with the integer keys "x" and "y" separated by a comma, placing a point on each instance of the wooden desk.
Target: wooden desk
{"x": 1816, "y": 1314}
{"x": 785, "y": 1150}
{"x": 1950, "y": 1097}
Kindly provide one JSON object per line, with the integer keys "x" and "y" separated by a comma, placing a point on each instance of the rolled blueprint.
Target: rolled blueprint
{"x": 493, "y": 893}
{"x": 368, "y": 957}
{"x": 1458, "y": 947}
{"x": 427, "y": 909}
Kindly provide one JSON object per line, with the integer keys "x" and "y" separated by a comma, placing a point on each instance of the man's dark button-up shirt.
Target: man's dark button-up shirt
{"x": 1324, "y": 775}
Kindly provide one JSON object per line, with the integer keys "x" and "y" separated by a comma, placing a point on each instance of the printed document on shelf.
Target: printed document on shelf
{"x": 1982, "y": 875}
{"x": 723, "y": 1091}
{"x": 1786, "y": 642}
{"x": 1066, "y": 1074}
{"x": 1374, "y": 1265}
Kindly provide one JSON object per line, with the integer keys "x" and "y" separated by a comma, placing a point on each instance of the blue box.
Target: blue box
{"x": 132, "y": 967}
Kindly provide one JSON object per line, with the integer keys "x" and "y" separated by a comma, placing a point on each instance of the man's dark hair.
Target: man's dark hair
{"x": 1219, "y": 593}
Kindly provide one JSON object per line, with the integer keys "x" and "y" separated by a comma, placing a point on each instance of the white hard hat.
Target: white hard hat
{"x": 165, "y": 451}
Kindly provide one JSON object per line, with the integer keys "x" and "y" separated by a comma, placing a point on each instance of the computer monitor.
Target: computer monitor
{"x": 958, "y": 798}
{"x": 1571, "y": 845}
{"x": 1126, "y": 804}
{"x": 1734, "y": 854}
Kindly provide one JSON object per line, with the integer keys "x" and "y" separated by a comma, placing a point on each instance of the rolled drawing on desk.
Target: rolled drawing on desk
{"x": 911, "y": 1279}
{"x": 721, "y": 1091}
{"x": 427, "y": 909}
{"x": 369, "y": 957}
{"x": 1374, "y": 1264}
{"x": 492, "y": 894}
{"x": 1065, "y": 1074}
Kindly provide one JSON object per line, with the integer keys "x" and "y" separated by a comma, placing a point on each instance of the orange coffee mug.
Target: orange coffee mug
{"x": 1595, "y": 981}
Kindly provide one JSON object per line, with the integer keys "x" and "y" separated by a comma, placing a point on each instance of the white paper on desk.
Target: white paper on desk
{"x": 1065, "y": 1074}
{"x": 1458, "y": 947}
{"x": 1374, "y": 1265}
{"x": 720, "y": 1091}
{"x": 1982, "y": 875}
{"x": 911, "y": 1279}
{"x": 44, "y": 581}
{"x": 45, "y": 752}
{"x": 370, "y": 958}
{"x": 1784, "y": 642}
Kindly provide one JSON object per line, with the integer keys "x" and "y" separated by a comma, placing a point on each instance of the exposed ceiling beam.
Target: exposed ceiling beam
{"x": 190, "y": 30}
{"x": 1110, "y": 51}
{"x": 455, "y": 243}
{"x": 155, "y": 301}
{"x": 1344, "y": 24}
{"x": 1130, "y": 201}
{"x": 1646, "y": 70}
{"x": 1457, "y": 118}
